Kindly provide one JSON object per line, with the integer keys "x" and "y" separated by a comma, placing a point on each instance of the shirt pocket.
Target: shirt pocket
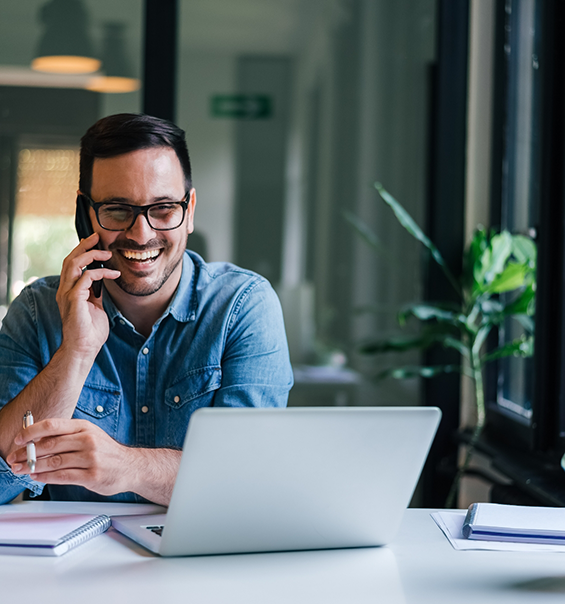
{"x": 194, "y": 390}
{"x": 99, "y": 405}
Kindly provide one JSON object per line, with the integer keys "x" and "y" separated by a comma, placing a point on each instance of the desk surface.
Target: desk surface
{"x": 419, "y": 567}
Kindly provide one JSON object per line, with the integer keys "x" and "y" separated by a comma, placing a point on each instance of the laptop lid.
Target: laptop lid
{"x": 254, "y": 480}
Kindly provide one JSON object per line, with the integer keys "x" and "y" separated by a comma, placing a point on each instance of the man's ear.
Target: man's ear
{"x": 190, "y": 210}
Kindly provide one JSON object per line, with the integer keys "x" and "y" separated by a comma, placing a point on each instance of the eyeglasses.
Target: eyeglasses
{"x": 161, "y": 216}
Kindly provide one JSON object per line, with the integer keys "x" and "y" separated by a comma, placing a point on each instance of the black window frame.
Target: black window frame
{"x": 544, "y": 434}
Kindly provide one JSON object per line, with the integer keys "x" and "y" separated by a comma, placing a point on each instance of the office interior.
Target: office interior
{"x": 293, "y": 109}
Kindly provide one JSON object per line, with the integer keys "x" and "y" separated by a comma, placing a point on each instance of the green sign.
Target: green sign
{"x": 242, "y": 106}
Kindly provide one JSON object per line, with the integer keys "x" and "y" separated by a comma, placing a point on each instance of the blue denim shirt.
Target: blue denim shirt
{"x": 221, "y": 342}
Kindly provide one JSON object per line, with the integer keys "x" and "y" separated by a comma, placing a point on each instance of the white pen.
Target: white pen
{"x": 30, "y": 448}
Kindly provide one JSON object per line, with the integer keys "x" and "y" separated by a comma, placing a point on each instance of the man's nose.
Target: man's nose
{"x": 140, "y": 231}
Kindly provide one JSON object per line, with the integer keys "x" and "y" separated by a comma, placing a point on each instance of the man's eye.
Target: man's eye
{"x": 115, "y": 212}
{"x": 163, "y": 209}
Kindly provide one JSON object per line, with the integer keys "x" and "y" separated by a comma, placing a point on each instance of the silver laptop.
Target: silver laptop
{"x": 263, "y": 480}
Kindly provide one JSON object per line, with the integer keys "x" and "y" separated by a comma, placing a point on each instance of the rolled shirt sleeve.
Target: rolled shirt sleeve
{"x": 21, "y": 359}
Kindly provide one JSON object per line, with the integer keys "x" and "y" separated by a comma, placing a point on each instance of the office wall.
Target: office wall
{"x": 260, "y": 165}
{"x": 362, "y": 91}
{"x": 211, "y": 144}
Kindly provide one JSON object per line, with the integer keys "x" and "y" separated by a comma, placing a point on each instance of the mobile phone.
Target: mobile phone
{"x": 84, "y": 230}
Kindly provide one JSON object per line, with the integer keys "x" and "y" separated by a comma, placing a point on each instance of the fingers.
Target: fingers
{"x": 82, "y": 286}
{"x": 72, "y": 452}
{"x": 80, "y": 257}
{"x": 59, "y": 444}
{"x": 75, "y": 282}
{"x": 51, "y": 463}
{"x": 49, "y": 428}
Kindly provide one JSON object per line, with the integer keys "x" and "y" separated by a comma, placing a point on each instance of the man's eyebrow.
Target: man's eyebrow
{"x": 127, "y": 200}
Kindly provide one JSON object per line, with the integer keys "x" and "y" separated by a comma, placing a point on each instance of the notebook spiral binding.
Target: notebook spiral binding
{"x": 94, "y": 527}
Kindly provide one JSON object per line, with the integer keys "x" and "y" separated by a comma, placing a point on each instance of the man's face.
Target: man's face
{"x": 149, "y": 260}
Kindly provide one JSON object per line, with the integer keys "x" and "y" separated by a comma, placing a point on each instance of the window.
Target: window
{"x": 519, "y": 205}
{"x": 527, "y": 397}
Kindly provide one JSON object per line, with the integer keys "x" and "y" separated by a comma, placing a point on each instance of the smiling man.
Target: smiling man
{"x": 113, "y": 380}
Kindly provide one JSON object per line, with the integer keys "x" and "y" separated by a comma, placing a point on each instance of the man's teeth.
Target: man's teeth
{"x": 140, "y": 255}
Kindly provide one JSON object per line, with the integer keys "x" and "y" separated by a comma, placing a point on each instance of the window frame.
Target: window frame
{"x": 543, "y": 433}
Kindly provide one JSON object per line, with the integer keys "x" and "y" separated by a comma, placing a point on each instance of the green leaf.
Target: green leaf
{"x": 524, "y": 250}
{"x": 402, "y": 373}
{"x": 395, "y": 344}
{"x": 411, "y": 226}
{"x": 436, "y": 333}
{"x": 450, "y": 342}
{"x": 511, "y": 278}
{"x": 477, "y": 246}
{"x": 521, "y": 347}
{"x": 501, "y": 248}
{"x": 427, "y": 312}
{"x": 524, "y": 304}
{"x": 490, "y": 306}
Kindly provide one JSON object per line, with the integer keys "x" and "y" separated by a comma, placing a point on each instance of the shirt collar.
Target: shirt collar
{"x": 183, "y": 305}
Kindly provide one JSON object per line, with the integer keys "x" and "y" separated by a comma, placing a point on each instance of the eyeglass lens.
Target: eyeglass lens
{"x": 160, "y": 216}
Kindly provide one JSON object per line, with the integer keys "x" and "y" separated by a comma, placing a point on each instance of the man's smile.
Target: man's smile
{"x": 145, "y": 256}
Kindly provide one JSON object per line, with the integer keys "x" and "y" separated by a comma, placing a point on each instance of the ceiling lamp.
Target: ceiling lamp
{"x": 118, "y": 74}
{"x": 65, "y": 46}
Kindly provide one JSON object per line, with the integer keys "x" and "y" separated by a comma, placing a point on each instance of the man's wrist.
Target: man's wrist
{"x": 151, "y": 473}
{"x": 77, "y": 362}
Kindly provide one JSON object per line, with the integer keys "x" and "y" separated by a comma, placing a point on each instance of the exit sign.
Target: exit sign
{"x": 242, "y": 106}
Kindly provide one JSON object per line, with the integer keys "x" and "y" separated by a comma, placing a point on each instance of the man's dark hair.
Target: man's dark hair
{"x": 126, "y": 132}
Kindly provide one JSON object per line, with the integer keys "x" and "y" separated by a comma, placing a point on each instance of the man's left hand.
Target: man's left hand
{"x": 74, "y": 451}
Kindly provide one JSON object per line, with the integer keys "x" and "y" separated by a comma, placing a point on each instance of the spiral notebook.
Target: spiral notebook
{"x": 516, "y": 523}
{"x": 48, "y": 534}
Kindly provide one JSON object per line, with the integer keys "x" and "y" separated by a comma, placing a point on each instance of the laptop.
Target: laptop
{"x": 264, "y": 480}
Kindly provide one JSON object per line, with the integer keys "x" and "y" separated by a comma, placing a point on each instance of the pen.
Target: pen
{"x": 31, "y": 459}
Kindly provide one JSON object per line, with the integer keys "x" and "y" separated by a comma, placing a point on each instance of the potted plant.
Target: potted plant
{"x": 497, "y": 284}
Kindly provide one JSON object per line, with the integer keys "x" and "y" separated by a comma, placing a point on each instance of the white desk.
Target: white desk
{"x": 419, "y": 567}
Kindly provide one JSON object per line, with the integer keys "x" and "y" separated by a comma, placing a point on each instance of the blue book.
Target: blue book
{"x": 515, "y": 523}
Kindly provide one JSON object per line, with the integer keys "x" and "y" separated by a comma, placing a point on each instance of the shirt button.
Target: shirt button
{"x": 144, "y": 409}
{"x": 122, "y": 322}
{"x": 145, "y": 351}
{"x": 100, "y": 409}
{"x": 177, "y": 399}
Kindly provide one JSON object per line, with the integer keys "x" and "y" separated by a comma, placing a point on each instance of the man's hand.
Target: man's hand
{"x": 85, "y": 324}
{"x": 77, "y": 452}
{"x": 73, "y": 451}
{"x": 55, "y": 390}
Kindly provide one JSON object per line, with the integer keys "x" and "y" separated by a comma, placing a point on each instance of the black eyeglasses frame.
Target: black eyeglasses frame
{"x": 137, "y": 210}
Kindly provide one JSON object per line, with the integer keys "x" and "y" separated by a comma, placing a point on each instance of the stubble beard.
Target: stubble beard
{"x": 141, "y": 287}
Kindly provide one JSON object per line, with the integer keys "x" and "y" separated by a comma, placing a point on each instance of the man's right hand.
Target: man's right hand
{"x": 85, "y": 324}
{"x": 55, "y": 390}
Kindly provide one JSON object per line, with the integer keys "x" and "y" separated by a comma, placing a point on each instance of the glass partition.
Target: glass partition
{"x": 43, "y": 114}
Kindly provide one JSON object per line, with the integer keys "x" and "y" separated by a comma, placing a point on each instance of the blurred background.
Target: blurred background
{"x": 292, "y": 110}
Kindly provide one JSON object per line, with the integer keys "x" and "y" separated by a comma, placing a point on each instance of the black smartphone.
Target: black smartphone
{"x": 84, "y": 230}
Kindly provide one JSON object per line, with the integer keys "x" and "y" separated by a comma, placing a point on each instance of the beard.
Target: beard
{"x": 143, "y": 285}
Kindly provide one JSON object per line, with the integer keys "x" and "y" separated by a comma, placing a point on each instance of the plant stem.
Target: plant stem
{"x": 480, "y": 403}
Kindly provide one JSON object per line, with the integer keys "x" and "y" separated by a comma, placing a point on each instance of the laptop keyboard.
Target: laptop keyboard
{"x": 158, "y": 530}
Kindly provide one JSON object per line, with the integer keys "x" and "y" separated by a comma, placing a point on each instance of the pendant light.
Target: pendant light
{"x": 118, "y": 74}
{"x": 65, "y": 45}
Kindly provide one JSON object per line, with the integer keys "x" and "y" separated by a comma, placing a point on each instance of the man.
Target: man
{"x": 112, "y": 381}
